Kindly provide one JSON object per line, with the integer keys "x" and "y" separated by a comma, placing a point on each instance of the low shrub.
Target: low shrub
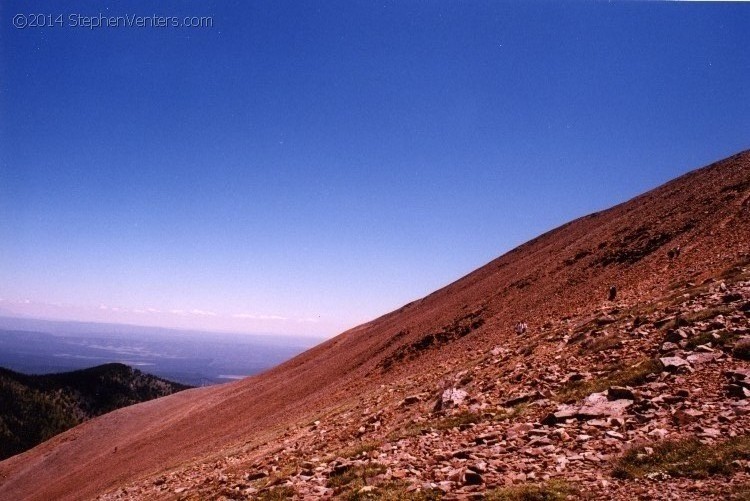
{"x": 633, "y": 375}
{"x": 547, "y": 491}
{"x": 682, "y": 458}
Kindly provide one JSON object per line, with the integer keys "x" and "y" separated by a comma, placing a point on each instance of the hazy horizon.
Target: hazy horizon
{"x": 7, "y": 319}
{"x": 302, "y": 169}
{"x": 197, "y": 358}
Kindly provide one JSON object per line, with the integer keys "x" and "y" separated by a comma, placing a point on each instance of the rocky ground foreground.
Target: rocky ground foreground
{"x": 629, "y": 401}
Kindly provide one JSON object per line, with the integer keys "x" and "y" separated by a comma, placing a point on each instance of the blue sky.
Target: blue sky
{"x": 305, "y": 167}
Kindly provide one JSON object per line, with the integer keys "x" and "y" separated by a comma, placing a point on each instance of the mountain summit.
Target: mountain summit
{"x": 630, "y": 379}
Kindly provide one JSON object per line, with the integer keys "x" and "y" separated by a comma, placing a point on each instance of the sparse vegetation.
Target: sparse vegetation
{"x": 682, "y": 458}
{"x": 740, "y": 493}
{"x": 355, "y": 477}
{"x": 410, "y": 430}
{"x": 680, "y": 284}
{"x": 511, "y": 412}
{"x": 707, "y": 314}
{"x": 395, "y": 491}
{"x": 464, "y": 418}
{"x": 603, "y": 343}
{"x": 457, "y": 329}
{"x": 636, "y": 245}
{"x": 737, "y": 272}
{"x": 634, "y": 375}
{"x": 681, "y": 297}
{"x": 358, "y": 450}
{"x": 457, "y": 420}
{"x": 579, "y": 255}
{"x": 725, "y": 337}
{"x": 548, "y": 491}
{"x": 279, "y": 493}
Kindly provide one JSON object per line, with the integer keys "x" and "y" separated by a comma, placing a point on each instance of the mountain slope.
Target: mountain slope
{"x": 355, "y": 385}
{"x": 35, "y": 408}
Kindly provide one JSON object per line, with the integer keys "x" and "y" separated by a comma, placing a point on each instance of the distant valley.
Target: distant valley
{"x": 33, "y": 346}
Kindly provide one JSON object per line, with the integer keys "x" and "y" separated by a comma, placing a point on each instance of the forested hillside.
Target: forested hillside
{"x": 35, "y": 408}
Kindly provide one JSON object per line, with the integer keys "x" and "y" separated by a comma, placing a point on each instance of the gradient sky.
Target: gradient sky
{"x": 302, "y": 167}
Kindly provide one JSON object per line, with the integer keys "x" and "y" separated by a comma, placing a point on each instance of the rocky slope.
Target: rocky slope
{"x": 641, "y": 396}
{"x": 634, "y": 377}
{"x": 36, "y": 408}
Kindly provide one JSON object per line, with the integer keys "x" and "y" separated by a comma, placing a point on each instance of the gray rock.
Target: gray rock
{"x": 520, "y": 399}
{"x": 661, "y": 322}
{"x": 605, "y": 320}
{"x": 518, "y": 429}
{"x": 668, "y": 347}
{"x": 685, "y": 416}
{"x": 341, "y": 466}
{"x": 610, "y": 409}
{"x": 676, "y": 335}
{"x": 709, "y": 433}
{"x": 562, "y": 414}
{"x": 702, "y": 358}
{"x": 487, "y": 439}
{"x": 739, "y": 376}
{"x": 498, "y": 350}
{"x": 718, "y": 322}
{"x": 704, "y": 348}
{"x": 452, "y": 397}
{"x": 597, "y": 405}
{"x": 479, "y": 467}
{"x": 674, "y": 364}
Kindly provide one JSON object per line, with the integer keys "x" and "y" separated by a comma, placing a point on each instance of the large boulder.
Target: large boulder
{"x": 597, "y": 405}
{"x": 452, "y": 397}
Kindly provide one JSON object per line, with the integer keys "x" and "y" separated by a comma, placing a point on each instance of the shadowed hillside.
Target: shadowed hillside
{"x": 443, "y": 398}
{"x": 36, "y": 408}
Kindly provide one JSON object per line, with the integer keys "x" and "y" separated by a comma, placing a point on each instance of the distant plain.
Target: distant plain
{"x": 195, "y": 358}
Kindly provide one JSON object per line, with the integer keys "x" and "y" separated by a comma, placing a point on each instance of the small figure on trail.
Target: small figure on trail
{"x": 674, "y": 252}
{"x": 521, "y": 328}
{"x": 612, "y": 293}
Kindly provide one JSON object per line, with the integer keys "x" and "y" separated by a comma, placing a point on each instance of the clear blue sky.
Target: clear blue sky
{"x": 303, "y": 167}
